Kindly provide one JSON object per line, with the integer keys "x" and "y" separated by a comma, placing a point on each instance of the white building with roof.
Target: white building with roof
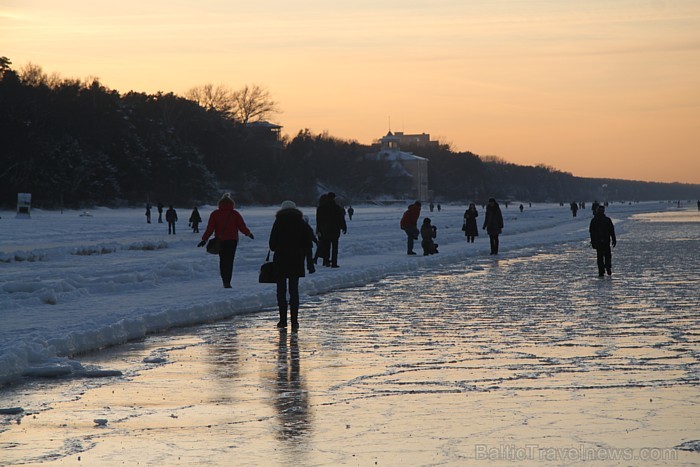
{"x": 412, "y": 166}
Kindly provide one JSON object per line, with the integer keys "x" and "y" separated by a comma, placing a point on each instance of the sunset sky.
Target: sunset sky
{"x": 599, "y": 88}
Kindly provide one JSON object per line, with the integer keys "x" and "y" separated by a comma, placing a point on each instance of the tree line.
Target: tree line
{"x": 77, "y": 143}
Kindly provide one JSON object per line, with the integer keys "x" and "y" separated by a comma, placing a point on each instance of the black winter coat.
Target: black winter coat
{"x": 470, "y": 227}
{"x": 602, "y": 231}
{"x": 291, "y": 242}
{"x": 493, "y": 220}
{"x": 330, "y": 219}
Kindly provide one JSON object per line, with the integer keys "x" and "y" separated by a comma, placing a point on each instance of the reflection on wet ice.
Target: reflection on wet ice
{"x": 290, "y": 398}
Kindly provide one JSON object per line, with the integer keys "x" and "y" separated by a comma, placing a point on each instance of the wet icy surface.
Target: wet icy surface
{"x": 526, "y": 358}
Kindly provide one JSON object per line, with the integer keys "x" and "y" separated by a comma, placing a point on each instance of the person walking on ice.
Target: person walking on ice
{"x": 171, "y": 218}
{"x": 291, "y": 241}
{"x": 493, "y": 223}
{"x": 602, "y": 233}
{"x": 225, "y": 223}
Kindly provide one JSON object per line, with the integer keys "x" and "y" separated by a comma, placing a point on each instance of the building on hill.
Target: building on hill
{"x": 404, "y": 164}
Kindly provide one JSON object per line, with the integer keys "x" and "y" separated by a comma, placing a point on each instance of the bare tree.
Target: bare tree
{"x": 253, "y": 104}
{"x": 32, "y": 75}
{"x": 218, "y": 98}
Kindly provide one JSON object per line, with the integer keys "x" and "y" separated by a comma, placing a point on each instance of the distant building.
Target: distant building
{"x": 422, "y": 140}
{"x": 404, "y": 163}
{"x": 265, "y": 131}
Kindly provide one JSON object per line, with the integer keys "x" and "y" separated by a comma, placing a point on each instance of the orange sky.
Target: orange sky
{"x": 598, "y": 88}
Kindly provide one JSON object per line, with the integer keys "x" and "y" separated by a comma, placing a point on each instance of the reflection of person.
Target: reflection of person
{"x": 225, "y": 223}
{"x": 470, "y": 228}
{"x": 493, "y": 223}
{"x": 171, "y": 218}
{"x": 602, "y": 233}
{"x": 291, "y": 241}
{"x": 409, "y": 224}
{"x": 291, "y": 396}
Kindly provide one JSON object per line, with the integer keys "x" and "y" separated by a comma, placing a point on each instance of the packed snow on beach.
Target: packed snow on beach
{"x": 76, "y": 281}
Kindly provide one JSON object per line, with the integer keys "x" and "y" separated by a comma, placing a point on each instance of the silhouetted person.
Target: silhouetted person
{"x": 225, "y": 223}
{"x": 574, "y": 208}
{"x": 291, "y": 242}
{"x": 330, "y": 221}
{"x": 351, "y": 211}
{"x": 602, "y": 234}
{"x": 409, "y": 224}
{"x": 160, "y": 212}
{"x": 195, "y": 219}
{"x": 171, "y": 218}
{"x": 521, "y": 208}
{"x": 428, "y": 232}
{"x": 148, "y": 213}
{"x": 493, "y": 224}
{"x": 470, "y": 228}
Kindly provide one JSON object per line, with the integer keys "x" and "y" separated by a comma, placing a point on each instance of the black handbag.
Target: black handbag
{"x": 267, "y": 271}
{"x": 214, "y": 246}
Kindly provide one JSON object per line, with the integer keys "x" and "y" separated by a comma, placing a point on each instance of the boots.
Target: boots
{"x": 282, "y": 324}
{"x": 295, "y": 319}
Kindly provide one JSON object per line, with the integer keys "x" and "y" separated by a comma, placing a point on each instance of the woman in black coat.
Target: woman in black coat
{"x": 493, "y": 223}
{"x": 291, "y": 242}
{"x": 470, "y": 228}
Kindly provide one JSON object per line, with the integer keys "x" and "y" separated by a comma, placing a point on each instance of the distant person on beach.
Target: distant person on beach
{"x": 195, "y": 220}
{"x": 351, "y": 211}
{"x": 225, "y": 223}
{"x": 471, "y": 230}
{"x": 493, "y": 223}
{"x": 330, "y": 222}
{"x": 574, "y": 208}
{"x": 602, "y": 233}
{"x": 291, "y": 240}
{"x": 428, "y": 232}
{"x": 148, "y": 213}
{"x": 160, "y": 212}
{"x": 171, "y": 218}
{"x": 409, "y": 224}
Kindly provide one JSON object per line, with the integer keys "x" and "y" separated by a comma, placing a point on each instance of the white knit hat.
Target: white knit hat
{"x": 288, "y": 205}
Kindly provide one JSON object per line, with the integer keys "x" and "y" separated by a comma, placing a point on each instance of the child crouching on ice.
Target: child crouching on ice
{"x": 428, "y": 232}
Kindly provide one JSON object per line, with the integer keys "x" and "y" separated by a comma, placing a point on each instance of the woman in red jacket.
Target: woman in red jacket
{"x": 225, "y": 223}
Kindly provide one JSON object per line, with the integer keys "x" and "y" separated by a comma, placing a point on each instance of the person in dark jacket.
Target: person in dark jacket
{"x": 160, "y": 212}
{"x": 148, "y": 213}
{"x": 171, "y": 218}
{"x": 225, "y": 223}
{"x": 428, "y": 232}
{"x": 330, "y": 221}
{"x": 602, "y": 233}
{"x": 291, "y": 241}
{"x": 574, "y": 208}
{"x": 195, "y": 219}
{"x": 471, "y": 230}
{"x": 409, "y": 224}
{"x": 493, "y": 223}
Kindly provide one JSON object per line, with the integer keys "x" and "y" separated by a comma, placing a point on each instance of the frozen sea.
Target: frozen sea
{"x": 459, "y": 358}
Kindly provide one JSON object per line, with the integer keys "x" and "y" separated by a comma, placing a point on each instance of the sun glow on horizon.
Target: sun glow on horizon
{"x": 594, "y": 88}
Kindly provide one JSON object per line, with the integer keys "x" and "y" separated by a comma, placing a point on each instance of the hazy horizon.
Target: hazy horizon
{"x": 597, "y": 89}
